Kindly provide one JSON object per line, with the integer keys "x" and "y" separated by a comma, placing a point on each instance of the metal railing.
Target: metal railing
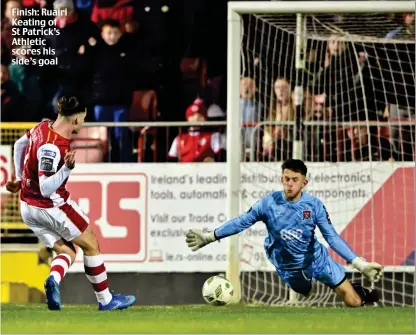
{"x": 143, "y": 128}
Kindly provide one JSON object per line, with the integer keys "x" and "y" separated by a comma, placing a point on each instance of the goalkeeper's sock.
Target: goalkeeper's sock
{"x": 366, "y": 295}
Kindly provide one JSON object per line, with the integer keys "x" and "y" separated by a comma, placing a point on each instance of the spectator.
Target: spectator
{"x": 215, "y": 113}
{"x": 320, "y": 139}
{"x": 160, "y": 41}
{"x": 113, "y": 82}
{"x": 35, "y": 3}
{"x": 276, "y": 139}
{"x": 402, "y": 136}
{"x": 360, "y": 145}
{"x": 76, "y": 31}
{"x": 406, "y": 30}
{"x": 27, "y": 80}
{"x": 12, "y": 102}
{"x": 196, "y": 145}
{"x": 6, "y": 30}
{"x": 84, "y": 5}
{"x": 250, "y": 109}
{"x": 338, "y": 70}
{"x": 120, "y": 10}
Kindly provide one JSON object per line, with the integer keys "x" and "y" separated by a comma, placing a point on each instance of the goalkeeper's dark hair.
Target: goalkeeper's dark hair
{"x": 295, "y": 165}
{"x": 70, "y": 106}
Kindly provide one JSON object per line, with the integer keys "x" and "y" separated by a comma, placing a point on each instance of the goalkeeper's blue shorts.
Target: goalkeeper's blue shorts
{"x": 323, "y": 269}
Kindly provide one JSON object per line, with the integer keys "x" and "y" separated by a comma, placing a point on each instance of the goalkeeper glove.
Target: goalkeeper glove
{"x": 196, "y": 239}
{"x": 373, "y": 271}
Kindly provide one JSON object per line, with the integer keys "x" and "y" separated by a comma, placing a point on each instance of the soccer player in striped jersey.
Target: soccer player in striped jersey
{"x": 43, "y": 163}
{"x": 291, "y": 246}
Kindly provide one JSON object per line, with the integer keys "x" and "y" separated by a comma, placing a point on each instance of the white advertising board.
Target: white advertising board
{"x": 141, "y": 212}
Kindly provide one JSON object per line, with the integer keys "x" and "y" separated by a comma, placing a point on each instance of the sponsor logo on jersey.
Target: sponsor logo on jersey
{"x": 291, "y": 234}
{"x": 48, "y": 153}
{"x": 307, "y": 215}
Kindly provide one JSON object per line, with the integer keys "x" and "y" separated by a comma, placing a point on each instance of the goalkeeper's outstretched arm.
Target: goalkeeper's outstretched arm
{"x": 336, "y": 242}
{"x": 372, "y": 271}
{"x": 196, "y": 239}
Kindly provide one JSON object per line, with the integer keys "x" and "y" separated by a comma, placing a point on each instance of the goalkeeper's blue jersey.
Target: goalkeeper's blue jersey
{"x": 291, "y": 243}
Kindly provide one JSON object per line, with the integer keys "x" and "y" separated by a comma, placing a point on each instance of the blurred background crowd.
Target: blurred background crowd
{"x": 165, "y": 60}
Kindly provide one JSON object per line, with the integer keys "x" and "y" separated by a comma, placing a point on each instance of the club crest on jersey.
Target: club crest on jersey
{"x": 307, "y": 215}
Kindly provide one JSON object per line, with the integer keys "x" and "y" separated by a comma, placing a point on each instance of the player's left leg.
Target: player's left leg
{"x": 332, "y": 274}
{"x": 77, "y": 229}
{"x": 355, "y": 295}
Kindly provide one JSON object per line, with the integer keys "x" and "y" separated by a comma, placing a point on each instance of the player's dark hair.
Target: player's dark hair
{"x": 69, "y": 106}
{"x": 295, "y": 165}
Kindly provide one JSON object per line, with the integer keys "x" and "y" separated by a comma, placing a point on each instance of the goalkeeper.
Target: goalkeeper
{"x": 291, "y": 216}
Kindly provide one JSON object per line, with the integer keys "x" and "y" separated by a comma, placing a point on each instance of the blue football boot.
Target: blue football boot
{"x": 53, "y": 294}
{"x": 118, "y": 302}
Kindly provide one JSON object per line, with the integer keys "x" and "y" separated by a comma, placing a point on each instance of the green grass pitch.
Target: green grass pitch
{"x": 36, "y": 319}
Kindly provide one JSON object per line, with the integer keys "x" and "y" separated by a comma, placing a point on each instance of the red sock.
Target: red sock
{"x": 59, "y": 266}
{"x": 97, "y": 275}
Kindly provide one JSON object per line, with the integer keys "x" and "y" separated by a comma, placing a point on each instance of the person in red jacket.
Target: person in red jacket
{"x": 197, "y": 145}
{"x": 120, "y": 10}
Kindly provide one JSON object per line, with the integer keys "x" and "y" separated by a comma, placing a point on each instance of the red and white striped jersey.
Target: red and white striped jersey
{"x": 44, "y": 156}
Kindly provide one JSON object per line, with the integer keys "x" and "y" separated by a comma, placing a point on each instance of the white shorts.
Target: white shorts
{"x": 67, "y": 221}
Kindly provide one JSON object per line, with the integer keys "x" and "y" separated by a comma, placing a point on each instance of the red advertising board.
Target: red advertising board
{"x": 116, "y": 204}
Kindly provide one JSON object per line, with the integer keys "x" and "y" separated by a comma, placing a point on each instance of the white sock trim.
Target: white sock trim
{"x": 93, "y": 261}
{"x": 56, "y": 276}
{"x": 104, "y": 297}
{"x": 98, "y": 278}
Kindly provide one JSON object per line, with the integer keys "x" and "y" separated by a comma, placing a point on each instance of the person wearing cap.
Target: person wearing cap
{"x": 197, "y": 145}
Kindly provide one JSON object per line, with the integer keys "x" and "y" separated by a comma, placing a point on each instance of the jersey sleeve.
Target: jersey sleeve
{"x": 48, "y": 159}
{"x": 336, "y": 242}
{"x": 19, "y": 153}
{"x": 50, "y": 178}
{"x": 242, "y": 222}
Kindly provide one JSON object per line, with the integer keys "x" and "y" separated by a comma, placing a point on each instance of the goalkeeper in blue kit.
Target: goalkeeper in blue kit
{"x": 291, "y": 246}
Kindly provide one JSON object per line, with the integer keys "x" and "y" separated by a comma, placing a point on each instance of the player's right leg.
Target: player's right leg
{"x": 40, "y": 222}
{"x": 65, "y": 257}
{"x": 78, "y": 230}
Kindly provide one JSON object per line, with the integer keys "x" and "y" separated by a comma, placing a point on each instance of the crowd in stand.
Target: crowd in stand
{"x": 111, "y": 50}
